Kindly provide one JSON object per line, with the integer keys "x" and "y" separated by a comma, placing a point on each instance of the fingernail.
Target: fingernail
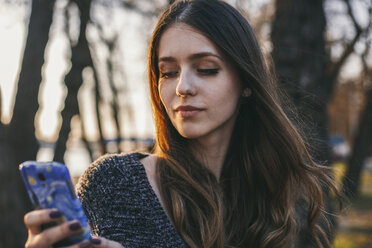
{"x": 55, "y": 214}
{"x": 74, "y": 226}
{"x": 95, "y": 241}
{"x": 85, "y": 244}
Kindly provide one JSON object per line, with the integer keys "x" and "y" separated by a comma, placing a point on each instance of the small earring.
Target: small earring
{"x": 246, "y": 92}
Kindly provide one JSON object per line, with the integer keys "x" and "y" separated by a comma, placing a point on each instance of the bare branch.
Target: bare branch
{"x": 364, "y": 32}
{"x": 350, "y": 12}
{"x": 366, "y": 69}
{"x": 132, "y": 6}
{"x": 349, "y": 49}
{"x": 67, "y": 27}
{"x": 335, "y": 67}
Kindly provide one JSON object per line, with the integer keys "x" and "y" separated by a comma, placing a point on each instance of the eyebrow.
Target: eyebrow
{"x": 191, "y": 57}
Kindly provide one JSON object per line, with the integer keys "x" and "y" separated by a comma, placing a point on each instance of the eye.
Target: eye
{"x": 166, "y": 75}
{"x": 211, "y": 71}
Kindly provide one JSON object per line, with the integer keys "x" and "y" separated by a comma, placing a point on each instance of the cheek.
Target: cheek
{"x": 229, "y": 92}
{"x": 227, "y": 100}
{"x": 165, "y": 95}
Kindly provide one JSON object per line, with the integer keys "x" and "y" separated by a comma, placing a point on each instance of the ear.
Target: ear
{"x": 246, "y": 92}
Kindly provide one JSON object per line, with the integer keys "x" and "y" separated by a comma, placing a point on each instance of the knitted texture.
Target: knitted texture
{"x": 121, "y": 205}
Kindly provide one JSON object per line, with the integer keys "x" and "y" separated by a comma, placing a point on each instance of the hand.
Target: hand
{"x": 38, "y": 238}
{"x": 99, "y": 242}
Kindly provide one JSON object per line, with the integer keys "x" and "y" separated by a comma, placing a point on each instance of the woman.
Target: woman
{"x": 228, "y": 167}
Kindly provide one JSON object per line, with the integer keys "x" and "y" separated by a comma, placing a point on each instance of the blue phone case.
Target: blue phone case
{"x": 49, "y": 185}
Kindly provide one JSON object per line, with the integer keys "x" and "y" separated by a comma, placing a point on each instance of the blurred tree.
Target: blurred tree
{"x": 80, "y": 59}
{"x": 17, "y": 140}
{"x": 334, "y": 66}
{"x": 362, "y": 144}
{"x": 362, "y": 141}
{"x": 115, "y": 101}
{"x": 306, "y": 71}
{"x": 300, "y": 58}
{"x": 361, "y": 149}
{"x": 98, "y": 100}
{"x": 112, "y": 45}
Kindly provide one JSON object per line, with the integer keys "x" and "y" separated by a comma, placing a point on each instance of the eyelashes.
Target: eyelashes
{"x": 208, "y": 71}
{"x": 166, "y": 75}
{"x": 203, "y": 72}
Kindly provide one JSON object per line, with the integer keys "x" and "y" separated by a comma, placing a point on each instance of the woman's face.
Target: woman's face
{"x": 198, "y": 88}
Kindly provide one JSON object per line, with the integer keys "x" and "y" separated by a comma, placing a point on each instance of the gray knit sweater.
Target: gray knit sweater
{"x": 121, "y": 205}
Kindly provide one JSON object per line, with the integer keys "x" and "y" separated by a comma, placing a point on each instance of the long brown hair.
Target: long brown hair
{"x": 267, "y": 169}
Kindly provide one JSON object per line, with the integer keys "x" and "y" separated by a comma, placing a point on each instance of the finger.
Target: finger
{"x": 34, "y": 219}
{"x": 52, "y": 235}
{"x": 100, "y": 242}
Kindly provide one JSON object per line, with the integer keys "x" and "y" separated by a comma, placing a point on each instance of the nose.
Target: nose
{"x": 185, "y": 86}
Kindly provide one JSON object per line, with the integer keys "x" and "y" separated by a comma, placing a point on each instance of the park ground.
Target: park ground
{"x": 355, "y": 220}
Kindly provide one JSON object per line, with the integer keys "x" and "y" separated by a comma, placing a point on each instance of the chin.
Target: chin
{"x": 191, "y": 131}
{"x": 190, "y": 134}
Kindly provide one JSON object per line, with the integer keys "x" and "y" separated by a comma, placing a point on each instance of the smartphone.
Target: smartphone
{"x": 49, "y": 185}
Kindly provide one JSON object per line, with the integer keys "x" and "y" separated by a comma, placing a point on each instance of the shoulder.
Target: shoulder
{"x": 111, "y": 184}
{"x": 149, "y": 163}
{"x": 110, "y": 168}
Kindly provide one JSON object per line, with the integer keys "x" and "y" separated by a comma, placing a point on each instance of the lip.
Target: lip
{"x": 188, "y": 110}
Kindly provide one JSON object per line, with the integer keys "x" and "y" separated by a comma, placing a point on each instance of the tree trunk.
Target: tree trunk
{"x": 80, "y": 59}
{"x": 101, "y": 141}
{"x": 362, "y": 148}
{"x": 115, "y": 101}
{"x": 300, "y": 59}
{"x": 22, "y": 129}
{"x": 17, "y": 141}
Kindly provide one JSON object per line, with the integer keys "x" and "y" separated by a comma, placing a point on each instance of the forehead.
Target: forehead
{"x": 181, "y": 40}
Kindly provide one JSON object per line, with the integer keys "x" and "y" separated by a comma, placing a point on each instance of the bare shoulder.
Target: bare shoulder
{"x": 149, "y": 162}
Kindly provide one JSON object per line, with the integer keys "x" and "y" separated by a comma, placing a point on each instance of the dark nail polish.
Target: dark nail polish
{"x": 85, "y": 244}
{"x": 95, "y": 241}
{"x": 55, "y": 214}
{"x": 75, "y": 226}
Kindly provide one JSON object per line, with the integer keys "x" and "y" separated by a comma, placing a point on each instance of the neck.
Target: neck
{"x": 211, "y": 151}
